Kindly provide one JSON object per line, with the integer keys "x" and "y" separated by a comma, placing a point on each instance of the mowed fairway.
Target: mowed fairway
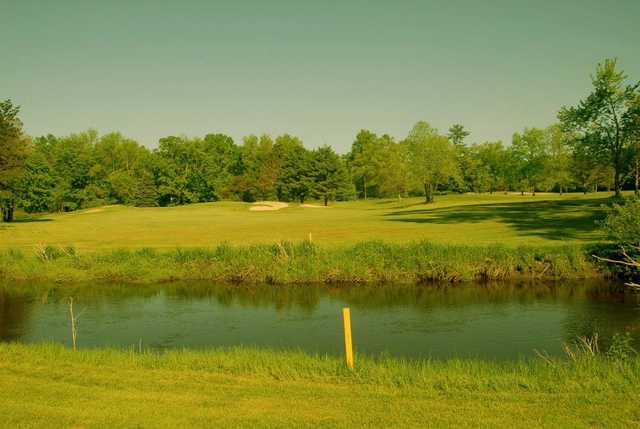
{"x": 514, "y": 220}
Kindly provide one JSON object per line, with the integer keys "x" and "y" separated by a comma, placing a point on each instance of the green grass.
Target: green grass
{"x": 49, "y": 386}
{"x": 473, "y": 220}
{"x": 304, "y": 262}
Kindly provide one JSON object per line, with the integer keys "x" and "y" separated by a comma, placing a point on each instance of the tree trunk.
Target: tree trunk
{"x": 7, "y": 212}
{"x": 616, "y": 180}
{"x": 364, "y": 186}
{"x": 326, "y": 200}
{"x": 428, "y": 193}
{"x": 637, "y": 190}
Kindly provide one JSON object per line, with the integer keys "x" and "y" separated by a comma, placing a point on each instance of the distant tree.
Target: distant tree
{"x": 260, "y": 169}
{"x": 36, "y": 184}
{"x": 476, "y": 172}
{"x": 493, "y": 157}
{"x": 582, "y": 167}
{"x": 457, "y": 134}
{"x": 559, "y": 161}
{"x": 530, "y": 152}
{"x": 364, "y": 161}
{"x": 394, "y": 174}
{"x": 635, "y": 166}
{"x": 175, "y": 161}
{"x": 123, "y": 186}
{"x": 608, "y": 120}
{"x": 470, "y": 177}
{"x": 146, "y": 193}
{"x": 432, "y": 158}
{"x": 331, "y": 178}
{"x": 295, "y": 181}
{"x": 13, "y": 154}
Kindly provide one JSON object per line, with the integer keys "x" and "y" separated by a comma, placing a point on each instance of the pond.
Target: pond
{"x": 500, "y": 321}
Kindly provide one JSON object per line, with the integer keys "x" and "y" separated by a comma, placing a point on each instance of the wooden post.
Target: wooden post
{"x": 348, "y": 346}
{"x": 74, "y": 326}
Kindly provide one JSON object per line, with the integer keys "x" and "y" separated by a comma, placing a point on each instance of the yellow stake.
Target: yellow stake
{"x": 348, "y": 347}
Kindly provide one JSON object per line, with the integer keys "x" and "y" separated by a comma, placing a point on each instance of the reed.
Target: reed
{"x": 303, "y": 262}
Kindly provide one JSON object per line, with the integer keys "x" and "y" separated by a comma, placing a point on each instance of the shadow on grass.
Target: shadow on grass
{"x": 553, "y": 220}
{"x": 29, "y": 220}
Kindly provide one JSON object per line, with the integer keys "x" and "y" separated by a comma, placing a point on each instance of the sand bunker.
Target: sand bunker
{"x": 313, "y": 206}
{"x": 264, "y": 206}
{"x": 93, "y": 211}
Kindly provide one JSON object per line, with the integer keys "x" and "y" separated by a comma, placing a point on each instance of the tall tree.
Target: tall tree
{"x": 364, "y": 160}
{"x": 432, "y": 158}
{"x": 295, "y": 180}
{"x": 493, "y": 156}
{"x": 457, "y": 134}
{"x": 13, "y": 154}
{"x": 394, "y": 174}
{"x": 559, "y": 162}
{"x": 331, "y": 178}
{"x": 607, "y": 120}
{"x": 530, "y": 151}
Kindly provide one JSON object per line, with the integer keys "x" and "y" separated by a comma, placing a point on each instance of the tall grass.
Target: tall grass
{"x": 582, "y": 373}
{"x": 301, "y": 262}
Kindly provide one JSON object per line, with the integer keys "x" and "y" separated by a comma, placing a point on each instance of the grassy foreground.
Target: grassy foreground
{"x": 49, "y": 386}
{"x": 304, "y": 262}
{"x": 471, "y": 220}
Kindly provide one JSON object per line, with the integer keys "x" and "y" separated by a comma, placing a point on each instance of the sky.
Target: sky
{"x": 321, "y": 70}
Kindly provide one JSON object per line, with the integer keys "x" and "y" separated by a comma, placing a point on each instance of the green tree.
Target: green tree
{"x": 296, "y": 176}
{"x": 530, "y": 152}
{"x": 457, "y": 134}
{"x": 146, "y": 193}
{"x": 36, "y": 184}
{"x": 259, "y": 169}
{"x": 331, "y": 177}
{"x": 13, "y": 153}
{"x": 559, "y": 161}
{"x": 494, "y": 160}
{"x": 608, "y": 120}
{"x": 393, "y": 172}
{"x": 470, "y": 176}
{"x": 364, "y": 161}
{"x": 583, "y": 168}
{"x": 432, "y": 158}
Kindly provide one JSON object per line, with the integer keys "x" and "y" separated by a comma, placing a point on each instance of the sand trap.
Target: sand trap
{"x": 93, "y": 211}
{"x": 313, "y": 206}
{"x": 264, "y": 206}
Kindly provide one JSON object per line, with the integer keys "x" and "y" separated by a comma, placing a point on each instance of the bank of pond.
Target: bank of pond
{"x": 303, "y": 263}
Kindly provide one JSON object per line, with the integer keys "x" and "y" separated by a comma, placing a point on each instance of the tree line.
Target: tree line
{"x": 594, "y": 145}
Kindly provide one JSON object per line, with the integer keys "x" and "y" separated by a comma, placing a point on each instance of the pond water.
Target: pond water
{"x": 501, "y": 321}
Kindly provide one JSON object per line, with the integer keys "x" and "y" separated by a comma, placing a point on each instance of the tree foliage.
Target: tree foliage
{"x": 595, "y": 146}
{"x": 607, "y": 121}
{"x": 13, "y": 153}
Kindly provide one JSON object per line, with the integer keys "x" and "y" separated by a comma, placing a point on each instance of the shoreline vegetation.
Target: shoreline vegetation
{"x": 50, "y": 385}
{"x": 303, "y": 262}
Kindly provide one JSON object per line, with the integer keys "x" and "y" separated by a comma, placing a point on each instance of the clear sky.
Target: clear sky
{"x": 321, "y": 70}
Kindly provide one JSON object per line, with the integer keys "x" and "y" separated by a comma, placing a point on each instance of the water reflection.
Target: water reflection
{"x": 499, "y": 321}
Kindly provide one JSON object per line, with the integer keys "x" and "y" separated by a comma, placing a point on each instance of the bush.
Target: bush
{"x": 623, "y": 222}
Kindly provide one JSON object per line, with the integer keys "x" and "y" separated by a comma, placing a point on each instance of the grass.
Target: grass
{"x": 304, "y": 262}
{"x": 472, "y": 220}
{"x": 50, "y": 386}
